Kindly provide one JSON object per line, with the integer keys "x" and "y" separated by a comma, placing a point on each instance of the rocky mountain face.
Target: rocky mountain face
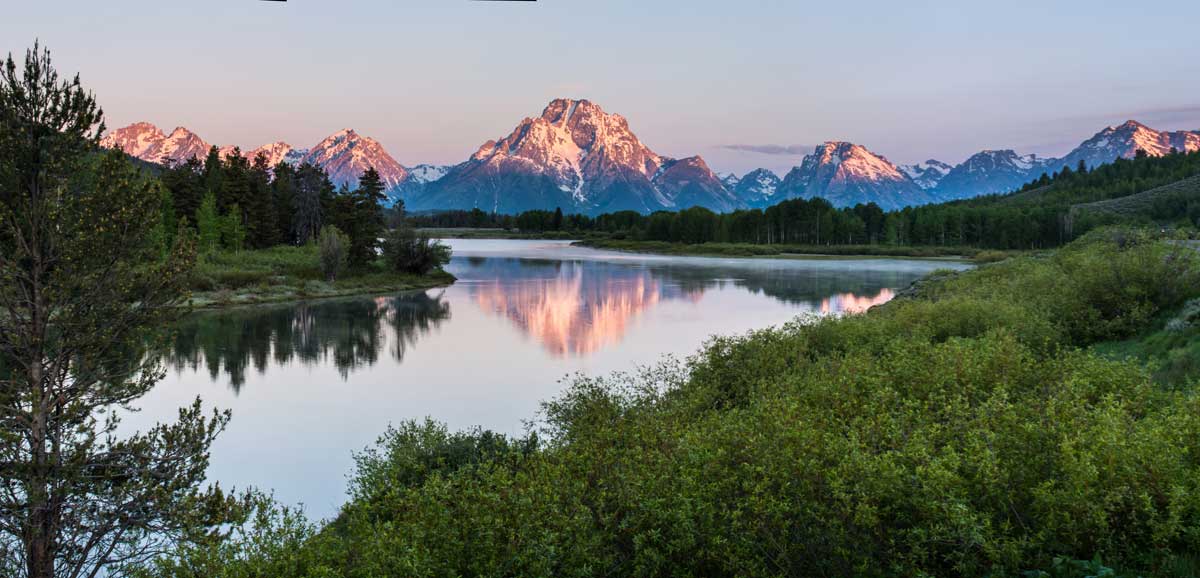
{"x": 427, "y": 173}
{"x": 757, "y": 188}
{"x": 279, "y": 152}
{"x": 690, "y": 183}
{"x": 346, "y": 155}
{"x": 928, "y": 174}
{"x": 1004, "y": 170}
{"x": 419, "y": 178}
{"x": 846, "y": 174}
{"x": 578, "y": 157}
{"x": 145, "y": 141}
{"x": 988, "y": 172}
{"x": 1124, "y": 141}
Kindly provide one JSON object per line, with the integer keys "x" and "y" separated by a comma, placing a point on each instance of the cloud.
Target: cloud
{"x": 771, "y": 149}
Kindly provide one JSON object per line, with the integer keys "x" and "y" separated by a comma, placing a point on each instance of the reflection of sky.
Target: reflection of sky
{"x": 316, "y": 382}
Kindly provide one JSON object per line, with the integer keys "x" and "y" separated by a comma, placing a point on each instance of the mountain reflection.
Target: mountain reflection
{"x": 579, "y": 307}
{"x": 570, "y": 308}
{"x": 851, "y": 303}
{"x": 349, "y": 334}
{"x": 570, "y": 313}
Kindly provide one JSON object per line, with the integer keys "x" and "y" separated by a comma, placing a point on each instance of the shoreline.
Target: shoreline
{"x": 313, "y": 291}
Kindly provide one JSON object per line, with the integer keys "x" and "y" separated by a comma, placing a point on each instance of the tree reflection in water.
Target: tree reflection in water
{"x": 348, "y": 333}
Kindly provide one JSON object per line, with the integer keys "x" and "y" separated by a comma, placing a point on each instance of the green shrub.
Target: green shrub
{"x": 334, "y": 250}
{"x": 961, "y": 432}
{"x": 406, "y": 250}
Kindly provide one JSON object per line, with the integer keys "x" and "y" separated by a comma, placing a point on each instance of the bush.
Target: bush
{"x": 963, "y": 432}
{"x": 408, "y": 251}
{"x": 334, "y": 249}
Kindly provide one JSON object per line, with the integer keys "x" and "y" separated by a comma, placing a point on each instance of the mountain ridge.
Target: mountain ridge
{"x": 577, "y": 157}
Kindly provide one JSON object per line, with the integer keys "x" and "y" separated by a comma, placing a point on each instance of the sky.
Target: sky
{"x": 744, "y": 83}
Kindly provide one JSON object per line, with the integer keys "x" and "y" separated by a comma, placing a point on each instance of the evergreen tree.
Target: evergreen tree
{"x": 283, "y": 195}
{"x": 83, "y": 287}
{"x": 312, "y": 189}
{"x": 214, "y": 173}
{"x": 235, "y": 181}
{"x": 185, "y": 181}
{"x": 260, "y": 208}
{"x": 363, "y": 218}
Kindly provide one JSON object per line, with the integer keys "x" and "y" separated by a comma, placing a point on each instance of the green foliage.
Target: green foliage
{"x": 208, "y": 225}
{"x": 958, "y": 431}
{"x": 286, "y": 273}
{"x": 408, "y": 251}
{"x": 233, "y": 234}
{"x": 268, "y": 540}
{"x": 358, "y": 214}
{"x": 1065, "y": 568}
{"x": 85, "y": 287}
{"x": 333, "y": 248}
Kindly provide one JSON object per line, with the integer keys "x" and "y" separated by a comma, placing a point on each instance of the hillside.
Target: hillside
{"x": 1168, "y": 202}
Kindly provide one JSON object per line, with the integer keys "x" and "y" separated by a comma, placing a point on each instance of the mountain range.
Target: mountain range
{"x": 577, "y": 157}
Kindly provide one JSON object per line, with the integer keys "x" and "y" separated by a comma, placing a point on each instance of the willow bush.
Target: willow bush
{"x": 963, "y": 431}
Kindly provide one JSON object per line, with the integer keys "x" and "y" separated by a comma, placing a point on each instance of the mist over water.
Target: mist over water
{"x": 310, "y": 383}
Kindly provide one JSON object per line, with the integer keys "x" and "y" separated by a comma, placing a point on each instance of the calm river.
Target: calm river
{"x": 311, "y": 383}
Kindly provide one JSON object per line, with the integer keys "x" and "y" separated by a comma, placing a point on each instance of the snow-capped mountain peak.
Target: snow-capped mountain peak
{"x": 856, "y": 162}
{"x": 988, "y": 172}
{"x": 147, "y": 142}
{"x": 758, "y": 188}
{"x": 427, "y": 173}
{"x": 1124, "y": 140}
{"x": 138, "y": 139}
{"x": 927, "y": 174}
{"x": 346, "y": 155}
{"x": 578, "y": 157}
{"x": 845, "y": 174}
{"x": 279, "y": 152}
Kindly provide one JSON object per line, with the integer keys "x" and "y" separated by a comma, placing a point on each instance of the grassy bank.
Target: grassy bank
{"x": 969, "y": 429}
{"x": 752, "y": 250}
{"x": 287, "y": 273}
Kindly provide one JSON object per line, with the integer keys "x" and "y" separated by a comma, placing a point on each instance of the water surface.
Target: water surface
{"x": 311, "y": 383}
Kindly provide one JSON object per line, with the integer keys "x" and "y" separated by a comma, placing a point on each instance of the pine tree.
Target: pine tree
{"x": 83, "y": 288}
{"x": 214, "y": 173}
{"x": 283, "y": 195}
{"x": 363, "y": 218}
{"x": 260, "y": 209}
{"x": 235, "y": 181}
{"x": 312, "y": 189}
{"x": 185, "y": 181}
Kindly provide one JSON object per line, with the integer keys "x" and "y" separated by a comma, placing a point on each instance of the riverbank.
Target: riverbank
{"x": 283, "y": 274}
{"x": 797, "y": 251}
